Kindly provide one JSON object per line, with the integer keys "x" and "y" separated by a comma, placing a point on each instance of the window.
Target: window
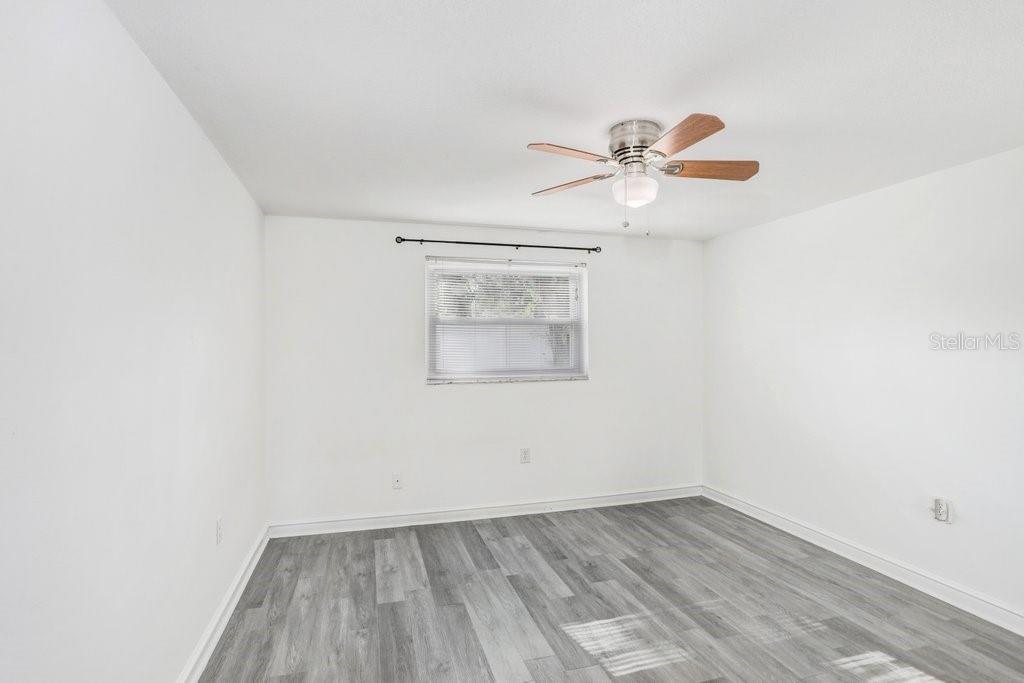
{"x": 490, "y": 320}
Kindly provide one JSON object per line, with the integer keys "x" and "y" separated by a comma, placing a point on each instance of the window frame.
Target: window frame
{"x": 581, "y": 271}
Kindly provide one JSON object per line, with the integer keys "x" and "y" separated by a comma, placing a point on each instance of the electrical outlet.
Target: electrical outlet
{"x": 940, "y": 510}
{"x": 524, "y": 456}
{"x": 396, "y": 481}
{"x": 220, "y": 530}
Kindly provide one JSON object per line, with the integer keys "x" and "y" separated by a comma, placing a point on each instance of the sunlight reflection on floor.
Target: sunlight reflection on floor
{"x": 879, "y": 667}
{"x": 620, "y": 646}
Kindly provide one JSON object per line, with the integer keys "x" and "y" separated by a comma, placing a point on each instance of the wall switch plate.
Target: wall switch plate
{"x": 220, "y": 530}
{"x": 524, "y": 456}
{"x": 396, "y": 481}
{"x": 940, "y": 510}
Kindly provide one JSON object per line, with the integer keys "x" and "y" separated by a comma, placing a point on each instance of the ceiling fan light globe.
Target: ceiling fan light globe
{"x": 635, "y": 191}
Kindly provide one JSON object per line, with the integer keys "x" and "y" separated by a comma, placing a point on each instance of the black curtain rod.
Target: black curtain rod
{"x": 399, "y": 240}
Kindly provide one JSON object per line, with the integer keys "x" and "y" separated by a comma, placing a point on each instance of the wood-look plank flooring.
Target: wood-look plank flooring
{"x": 680, "y": 590}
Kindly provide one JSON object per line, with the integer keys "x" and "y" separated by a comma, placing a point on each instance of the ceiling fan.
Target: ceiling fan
{"x": 639, "y": 145}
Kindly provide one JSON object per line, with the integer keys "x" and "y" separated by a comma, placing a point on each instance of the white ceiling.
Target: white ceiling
{"x": 416, "y": 110}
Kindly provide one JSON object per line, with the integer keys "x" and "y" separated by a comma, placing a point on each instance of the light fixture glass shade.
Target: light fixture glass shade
{"x": 635, "y": 191}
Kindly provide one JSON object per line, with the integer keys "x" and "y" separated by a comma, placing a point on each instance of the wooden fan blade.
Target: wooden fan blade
{"x": 566, "y": 151}
{"x": 713, "y": 170}
{"x": 689, "y": 131}
{"x": 575, "y": 183}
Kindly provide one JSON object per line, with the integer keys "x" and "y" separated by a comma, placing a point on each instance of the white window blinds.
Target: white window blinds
{"x": 490, "y": 320}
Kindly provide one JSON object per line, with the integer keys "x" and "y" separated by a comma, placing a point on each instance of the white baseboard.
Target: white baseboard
{"x": 360, "y": 523}
{"x": 201, "y": 655}
{"x": 959, "y": 596}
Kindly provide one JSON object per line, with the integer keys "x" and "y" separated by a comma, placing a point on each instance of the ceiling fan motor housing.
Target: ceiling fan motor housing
{"x": 629, "y": 141}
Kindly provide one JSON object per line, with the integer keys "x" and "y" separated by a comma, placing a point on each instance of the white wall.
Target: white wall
{"x": 347, "y": 403}
{"x": 823, "y": 400}
{"x": 130, "y": 380}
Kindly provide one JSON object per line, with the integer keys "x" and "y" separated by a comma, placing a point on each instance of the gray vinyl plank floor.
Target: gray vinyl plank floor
{"x": 679, "y": 590}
